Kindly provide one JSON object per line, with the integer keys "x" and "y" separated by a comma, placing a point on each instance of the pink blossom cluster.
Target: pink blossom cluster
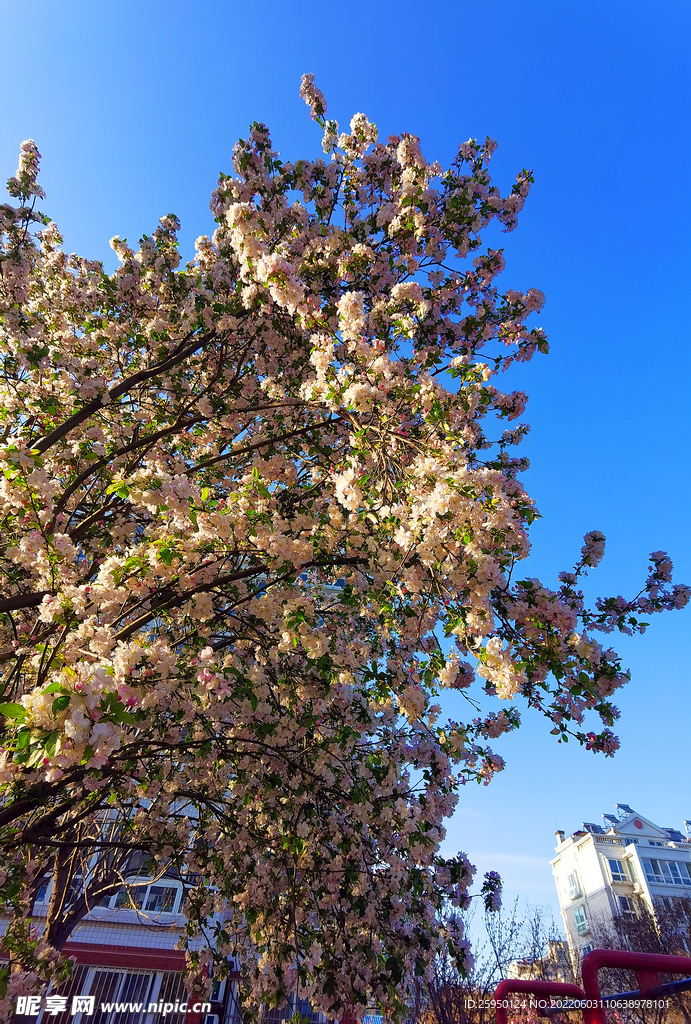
{"x": 241, "y": 501}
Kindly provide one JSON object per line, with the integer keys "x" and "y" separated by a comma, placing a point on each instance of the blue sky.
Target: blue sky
{"x": 136, "y": 107}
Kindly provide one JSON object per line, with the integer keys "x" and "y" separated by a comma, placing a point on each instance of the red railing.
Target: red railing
{"x": 541, "y": 990}
{"x": 647, "y": 967}
{"x": 589, "y": 1000}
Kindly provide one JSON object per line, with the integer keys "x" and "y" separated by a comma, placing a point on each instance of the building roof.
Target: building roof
{"x": 629, "y": 824}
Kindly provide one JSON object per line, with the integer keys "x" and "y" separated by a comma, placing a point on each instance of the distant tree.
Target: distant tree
{"x": 240, "y": 502}
{"x": 516, "y": 944}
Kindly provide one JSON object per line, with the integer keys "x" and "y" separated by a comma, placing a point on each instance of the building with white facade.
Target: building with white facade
{"x": 616, "y": 868}
{"x": 124, "y": 953}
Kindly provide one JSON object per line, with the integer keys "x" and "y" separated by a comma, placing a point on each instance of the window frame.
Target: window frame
{"x": 619, "y": 874}
{"x": 573, "y": 888}
{"x": 627, "y": 906}
{"x": 662, "y": 872}
{"x": 580, "y": 917}
{"x": 146, "y": 885}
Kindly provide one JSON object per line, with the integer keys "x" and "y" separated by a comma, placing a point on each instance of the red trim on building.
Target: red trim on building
{"x": 101, "y": 954}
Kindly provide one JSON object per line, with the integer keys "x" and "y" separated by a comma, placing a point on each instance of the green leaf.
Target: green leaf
{"x": 124, "y": 717}
{"x": 51, "y": 743}
{"x": 60, "y": 704}
{"x": 23, "y": 739}
{"x": 55, "y": 688}
{"x": 120, "y": 488}
{"x": 17, "y": 711}
{"x": 37, "y": 755}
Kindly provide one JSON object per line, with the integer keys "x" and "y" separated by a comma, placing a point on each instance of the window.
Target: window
{"x": 303, "y": 1007}
{"x": 653, "y": 871}
{"x": 656, "y": 842}
{"x": 586, "y": 949}
{"x": 75, "y": 889}
{"x": 679, "y": 871}
{"x": 572, "y": 886}
{"x": 156, "y": 898}
{"x": 617, "y": 870}
{"x": 217, "y": 992}
{"x": 161, "y": 898}
{"x": 115, "y": 986}
{"x": 42, "y": 893}
{"x": 667, "y": 872}
{"x": 581, "y": 920}
{"x": 627, "y": 906}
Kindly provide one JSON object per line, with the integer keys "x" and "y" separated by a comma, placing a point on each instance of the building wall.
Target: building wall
{"x": 653, "y": 862}
{"x": 127, "y": 956}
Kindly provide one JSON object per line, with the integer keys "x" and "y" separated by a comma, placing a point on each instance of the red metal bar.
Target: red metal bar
{"x": 647, "y": 967}
{"x": 540, "y": 989}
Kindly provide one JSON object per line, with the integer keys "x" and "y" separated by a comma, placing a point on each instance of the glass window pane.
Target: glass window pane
{"x": 131, "y": 897}
{"x": 135, "y": 988}
{"x": 652, "y": 870}
{"x": 581, "y": 920}
{"x": 573, "y": 887}
{"x": 103, "y": 987}
{"x": 161, "y": 898}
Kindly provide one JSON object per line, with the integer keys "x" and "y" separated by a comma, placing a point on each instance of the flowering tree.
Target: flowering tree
{"x": 243, "y": 503}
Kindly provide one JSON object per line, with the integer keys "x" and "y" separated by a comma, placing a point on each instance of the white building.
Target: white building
{"x": 615, "y": 868}
{"x": 124, "y": 953}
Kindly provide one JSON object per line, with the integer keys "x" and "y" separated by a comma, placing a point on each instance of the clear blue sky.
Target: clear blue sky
{"x": 136, "y": 106}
